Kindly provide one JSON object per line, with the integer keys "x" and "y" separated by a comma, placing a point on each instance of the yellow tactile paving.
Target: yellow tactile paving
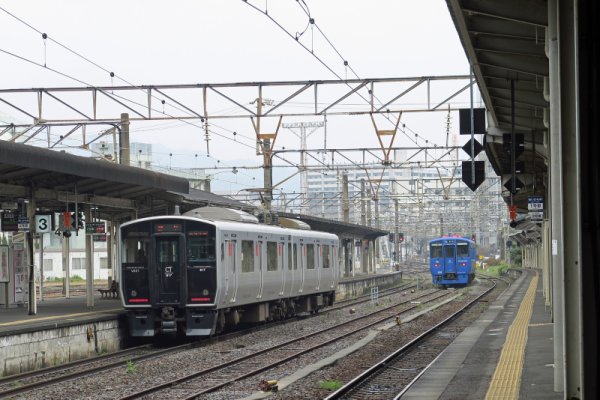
{"x": 507, "y": 377}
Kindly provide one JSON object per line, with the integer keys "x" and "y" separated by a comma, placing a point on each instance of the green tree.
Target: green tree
{"x": 515, "y": 256}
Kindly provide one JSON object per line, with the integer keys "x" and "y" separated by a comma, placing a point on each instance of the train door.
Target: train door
{"x": 302, "y": 258}
{"x": 260, "y": 258}
{"x": 329, "y": 265}
{"x": 231, "y": 278}
{"x": 319, "y": 264}
{"x": 291, "y": 276}
{"x": 169, "y": 268}
{"x": 449, "y": 259}
{"x": 280, "y": 265}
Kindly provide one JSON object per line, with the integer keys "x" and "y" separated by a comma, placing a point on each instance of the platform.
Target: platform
{"x": 56, "y": 313}
{"x": 474, "y": 366}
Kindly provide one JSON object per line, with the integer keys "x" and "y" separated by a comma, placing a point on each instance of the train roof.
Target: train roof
{"x": 222, "y": 214}
{"x": 243, "y": 226}
{"x": 461, "y": 238}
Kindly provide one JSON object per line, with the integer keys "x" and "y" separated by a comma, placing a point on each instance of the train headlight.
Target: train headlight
{"x": 133, "y": 293}
{"x": 205, "y": 292}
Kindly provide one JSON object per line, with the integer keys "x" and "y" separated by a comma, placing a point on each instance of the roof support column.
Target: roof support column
{"x": 29, "y": 237}
{"x": 555, "y": 167}
{"x": 570, "y": 136}
{"x": 89, "y": 261}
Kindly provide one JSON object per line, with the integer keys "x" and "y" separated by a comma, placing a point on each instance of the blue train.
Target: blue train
{"x": 452, "y": 261}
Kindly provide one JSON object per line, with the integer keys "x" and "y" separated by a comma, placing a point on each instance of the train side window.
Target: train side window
{"x": 290, "y": 257}
{"x": 271, "y": 256}
{"x": 326, "y": 259}
{"x": 310, "y": 256}
{"x": 247, "y": 256}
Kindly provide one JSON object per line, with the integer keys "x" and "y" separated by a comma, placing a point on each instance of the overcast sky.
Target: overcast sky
{"x": 219, "y": 41}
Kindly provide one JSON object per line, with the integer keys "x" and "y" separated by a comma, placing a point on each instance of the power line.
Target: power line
{"x": 112, "y": 74}
{"x": 346, "y": 63}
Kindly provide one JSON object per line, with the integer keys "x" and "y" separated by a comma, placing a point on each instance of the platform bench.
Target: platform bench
{"x": 112, "y": 292}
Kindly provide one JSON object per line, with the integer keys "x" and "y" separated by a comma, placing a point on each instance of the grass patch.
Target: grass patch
{"x": 495, "y": 270}
{"x": 331, "y": 385}
{"x": 131, "y": 367}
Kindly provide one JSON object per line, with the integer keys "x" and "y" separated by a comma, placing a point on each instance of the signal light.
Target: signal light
{"x": 77, "y": 220}
{"x": 512, "y": 212}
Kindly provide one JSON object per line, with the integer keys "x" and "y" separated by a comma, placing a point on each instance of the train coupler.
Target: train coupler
{"x": 167, "y": 320}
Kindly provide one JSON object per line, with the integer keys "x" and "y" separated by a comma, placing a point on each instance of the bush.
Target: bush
{"x": 496, "y": 270}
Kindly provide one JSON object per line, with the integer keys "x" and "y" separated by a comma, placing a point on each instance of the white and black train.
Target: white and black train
{"x": 197, "y": 273}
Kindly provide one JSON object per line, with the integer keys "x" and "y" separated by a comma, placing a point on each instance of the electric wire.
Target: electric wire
{"x": 112, "y": 74}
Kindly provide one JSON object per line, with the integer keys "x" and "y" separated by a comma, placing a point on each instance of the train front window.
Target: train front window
{"x": 168, "y": 250}
{"x": 462, "y": 249}
{"x": 436, "y": 250}
{"x": 135, "y": 251}
{"x": 200, "y": 249}
{"x": 449, "y": 251}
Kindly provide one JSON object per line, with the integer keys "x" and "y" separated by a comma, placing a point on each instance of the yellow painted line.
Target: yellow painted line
{"x": 541, "y": 324}
{"x": 506, "y": 381}
{"x": 58, "y": 317}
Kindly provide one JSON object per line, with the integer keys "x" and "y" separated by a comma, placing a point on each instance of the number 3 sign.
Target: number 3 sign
{"x": 43, "y": 223}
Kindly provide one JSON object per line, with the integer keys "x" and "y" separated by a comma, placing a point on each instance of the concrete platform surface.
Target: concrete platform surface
{"x": 465, "y": 370}
{"x": 57, "y": 312}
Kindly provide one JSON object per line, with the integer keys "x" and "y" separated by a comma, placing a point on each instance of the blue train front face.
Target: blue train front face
{"x": 168, "y": 276}
{"x": 451, "y": 261}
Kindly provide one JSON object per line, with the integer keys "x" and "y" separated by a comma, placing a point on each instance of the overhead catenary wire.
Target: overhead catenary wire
{"x": 345, "y": 61}
{"x": 112, "y": 75}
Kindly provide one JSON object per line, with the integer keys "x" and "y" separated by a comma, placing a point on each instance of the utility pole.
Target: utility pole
{"x": 303, "y": 130}
{"x": 124, "y": 146}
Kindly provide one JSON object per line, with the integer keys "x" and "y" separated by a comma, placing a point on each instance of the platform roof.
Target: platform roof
{"x": 343, "y": 229}
{"x": 504, "y": 41}
{"x": 119, "y": 191}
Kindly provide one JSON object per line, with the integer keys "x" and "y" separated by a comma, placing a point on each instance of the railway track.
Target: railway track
{"x": 22, "y": 383}
{"x": 28, "y": 381}
{"x": 393, "y": 375}
{"x": 216, "y": 377}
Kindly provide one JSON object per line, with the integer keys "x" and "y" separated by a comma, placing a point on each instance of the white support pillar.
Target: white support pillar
{"x": 571, "y": 194}
{"x": 556, "y": 200}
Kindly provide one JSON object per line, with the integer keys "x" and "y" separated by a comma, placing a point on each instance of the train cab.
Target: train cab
{"x": 169, "y": 275}
{"x": 452, "y": 261}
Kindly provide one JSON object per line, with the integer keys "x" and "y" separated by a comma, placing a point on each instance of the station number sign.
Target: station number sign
{"x": 43, "y": 223}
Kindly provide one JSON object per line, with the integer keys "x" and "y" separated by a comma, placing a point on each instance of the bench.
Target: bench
{"x": 112, "y": 292}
